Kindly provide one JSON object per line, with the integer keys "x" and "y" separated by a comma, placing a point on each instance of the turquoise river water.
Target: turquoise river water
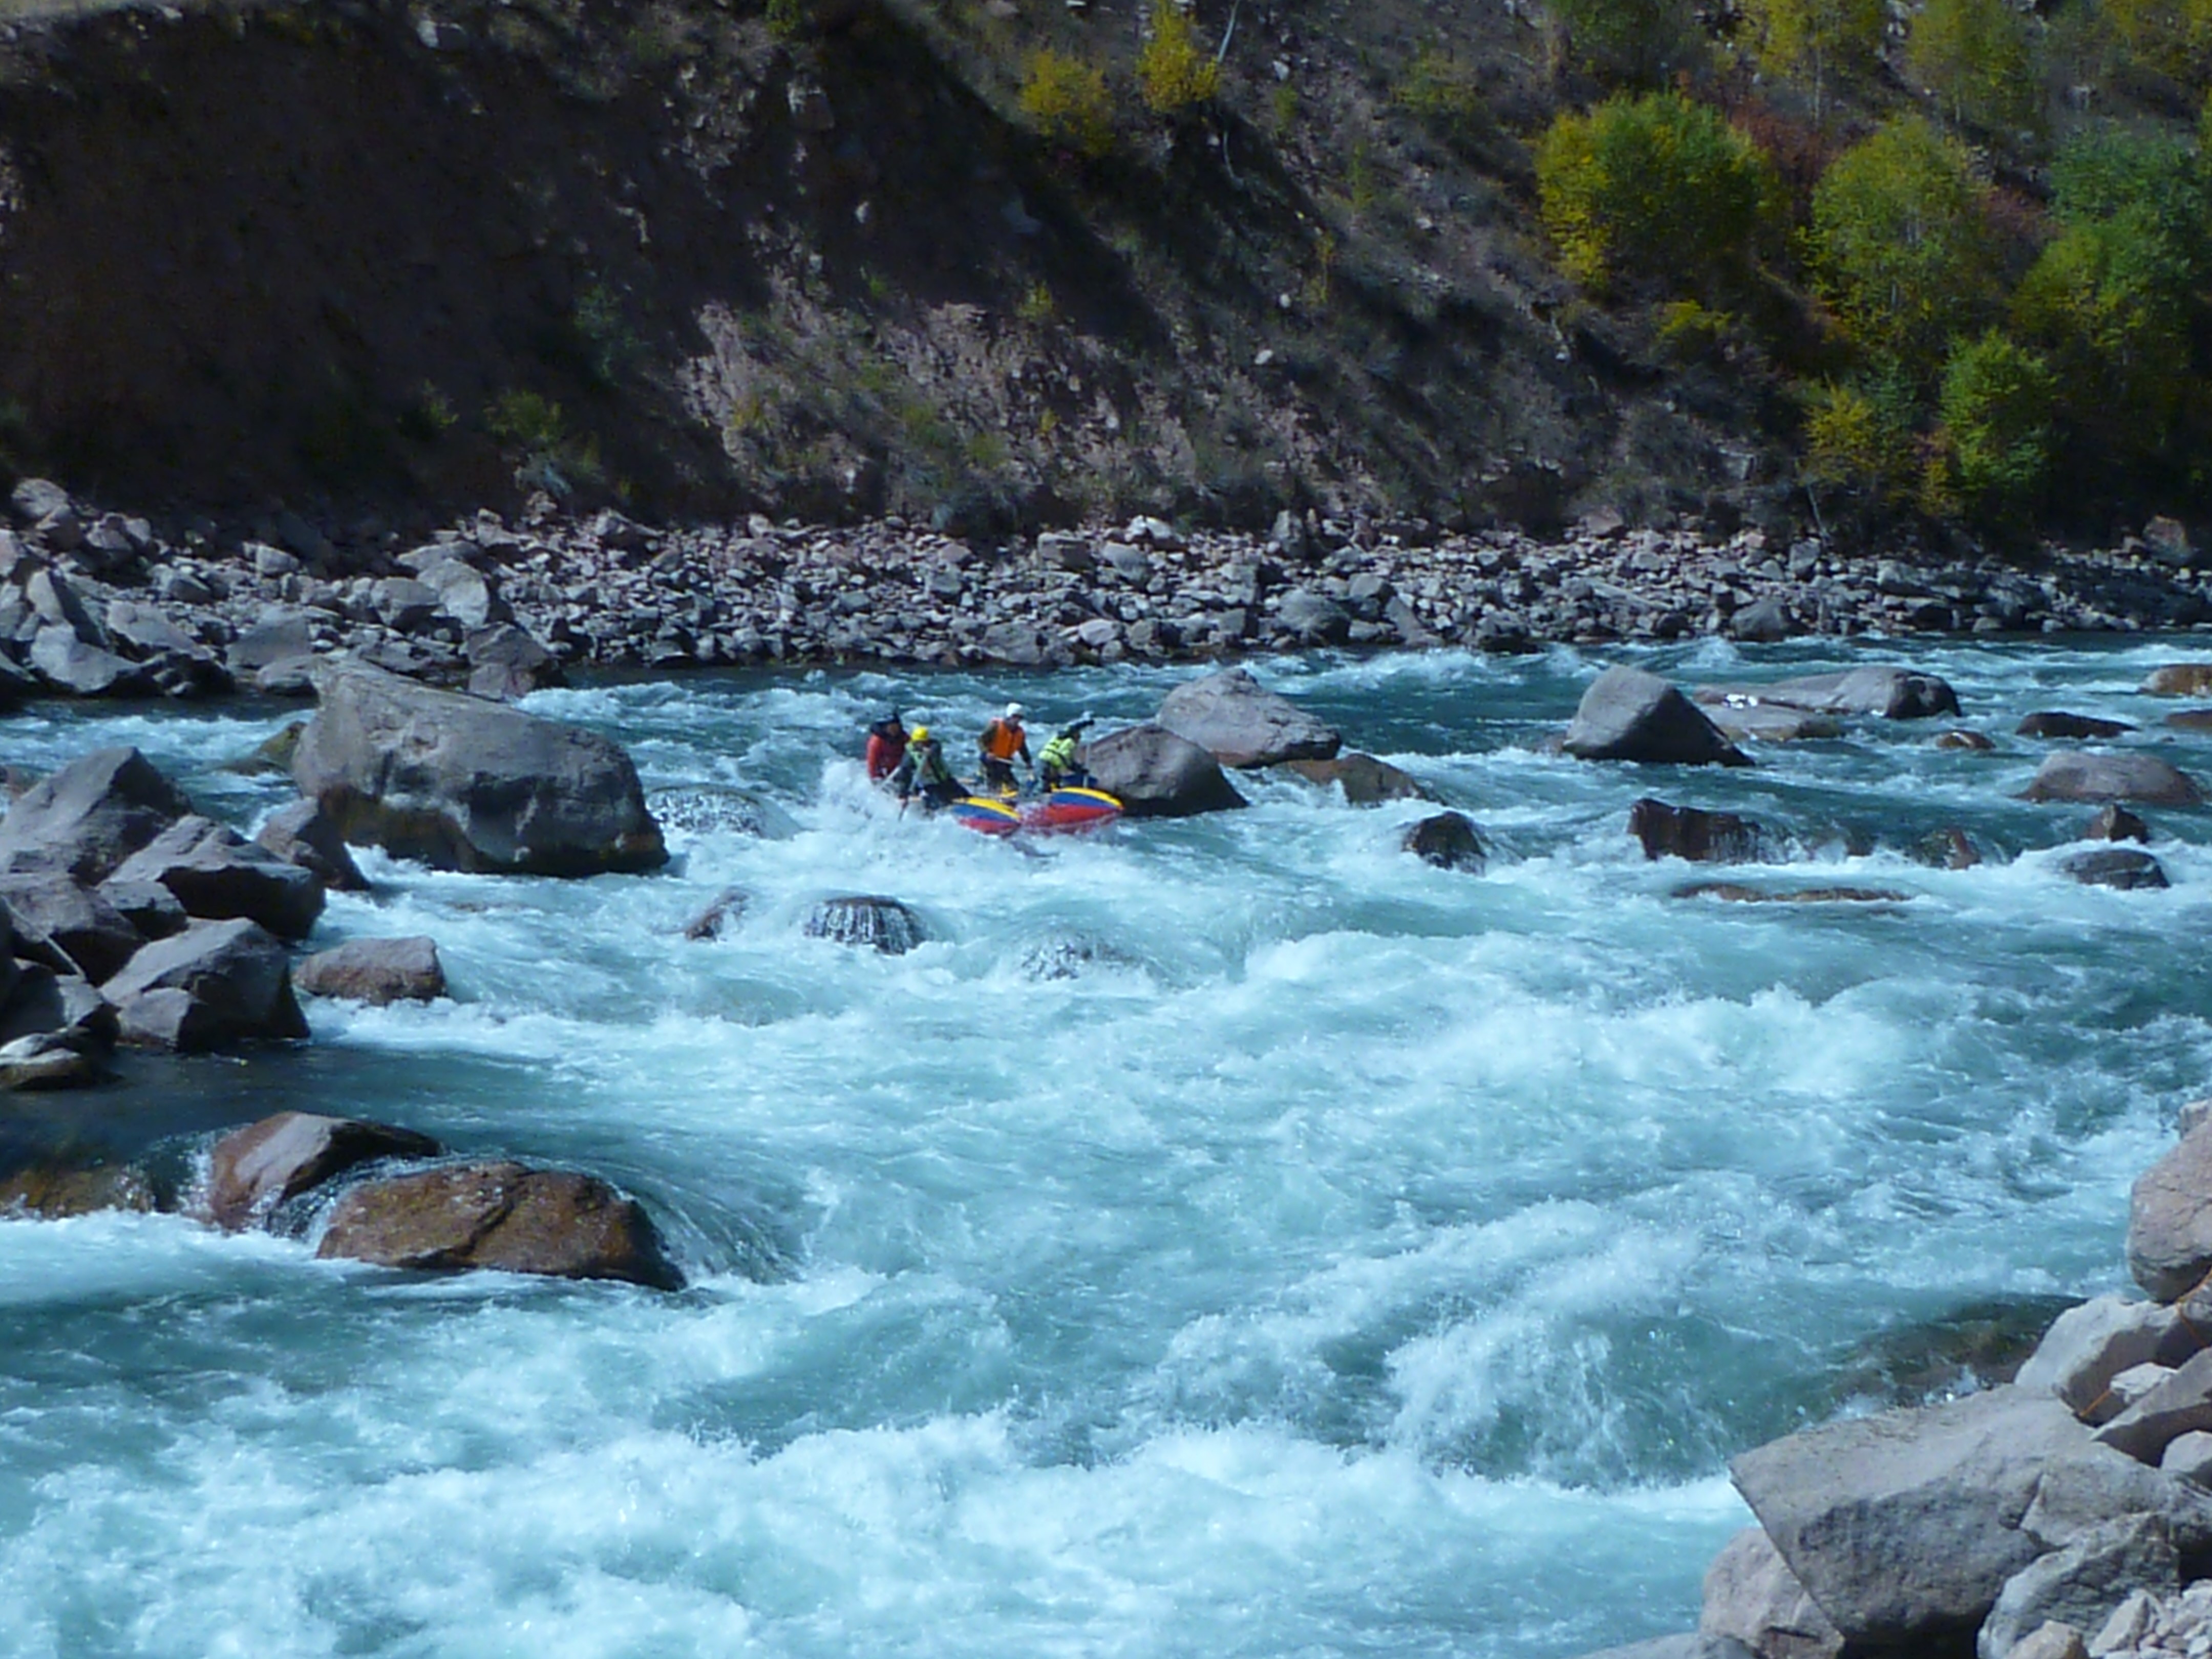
{"x": 1354, "y": 1258}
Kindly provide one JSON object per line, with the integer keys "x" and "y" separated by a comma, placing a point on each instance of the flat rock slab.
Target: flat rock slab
{"x": 1241, "y": 723}
{"x": 461, "y": 783}
{"x": 1892, "y": 693}
{"x": 501, "y": 1216}
{"x": 217, "y": 875}
{"x": 374, "y": 970}
{"x": 92, "y": 814}
{"x": 1627, "y": 714}
{"x": 2170, "y": 1218}
{"x": 1154, "y": 774}
{"x": 2092, "y": 777}
{"x": 253, "y": 1170}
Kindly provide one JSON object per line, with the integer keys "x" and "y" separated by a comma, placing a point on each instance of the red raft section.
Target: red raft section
{"x": 1061, "y": 812}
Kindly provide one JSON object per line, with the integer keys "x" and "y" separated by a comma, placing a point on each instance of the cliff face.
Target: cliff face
{"x": 357, "y": 252}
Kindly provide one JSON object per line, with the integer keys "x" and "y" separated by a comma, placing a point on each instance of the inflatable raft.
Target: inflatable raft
{"x": 1057, "y": 810}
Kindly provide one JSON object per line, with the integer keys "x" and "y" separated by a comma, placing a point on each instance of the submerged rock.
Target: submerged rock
{"x": 1734, "y": 892}
{"x": 1946, "y": 849}
{"x": 500, "y": 1216}
{"x": 58, "y": 1191}
{"x": 1694, "y": 834}
{"x": 1971, "y": 742}
{"x": 1630, "y": 716}
{"x": 1241, "y": 723}
{"x": 253, "y": 1170}
{"x": 1447, "y": 841}
{"x": 1155, "y": 773}
{"x": 1366, "y": 780}
{"x": 2051, "y": 724}
{"x": 375, "y": 971}
{"x": 2123, "y": 867}
{"x": 2091, "y": 777}
{"x": 461, "y": 783}
{"x": 880, "y": 924}
{"x": 723, "y": 912}
{"x": 1067, "y": 956}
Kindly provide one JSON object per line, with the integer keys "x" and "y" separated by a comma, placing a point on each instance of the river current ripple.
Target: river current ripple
{"x": 1354, "y": 1258}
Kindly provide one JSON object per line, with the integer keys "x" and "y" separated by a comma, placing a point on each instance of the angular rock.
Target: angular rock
{"x": 48, "y": 1062}
{"x": 1366, "y": 780}
{"x": 253, "y": 1170}
{"x": 2123, "y": 867}
{"x": 214, "y": 985}
{"x": 279, "y": 636}
{"x": 2092, "y": 1342}
{"x": 2053, "y": 724}
{"x": 2180, "y": 679}
{"x": 880, "y": 924}
{"x": 2084, "y": 1584}
{"x": 1750, "y": 1597}
{"x": 377, "y": 971}
{"x": 2170, "y": 1218}
{"x": 1897, "y": 693}
{"x": 2115, "y": 823}
{"x": 2188, "y": 1456}
{"x": 56, "y": 1193}
{"x": 1155, "y": 773}
{"x": 1764, "y": 621}
{"x": 2133, "y": 777}
{"x": 1241, "y": 724}
{"x": 2181, "y": 1403}
{"x": 1692, "y": 833}
{"x": 507, "y": 663}
{"x": 1630, "y": 716}
{"x": 94, "y": 813}
{"x": 2051, "y": 1641}
{"x": 1315, "y": 618}
{"x": 1446, "y": 840}
{"x": 151, "y": 909}
{"x": 2131, "y": 1622}
{"x": 82, "y": 923}
{"x": 464, "y": 784}
{"x": 217, "y": 875}
{"x": 303, "y": 834}
{"x": 68, "y": 664}
{"x": 66, "y": 1005}
{"x": 500, "y": 1215}
{"x": 1972, "y": 742}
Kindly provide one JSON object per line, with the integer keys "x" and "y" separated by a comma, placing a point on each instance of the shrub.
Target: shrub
{"x": 2173, "y": 37}
{"x": 1993, "y": 437}
{"x": 1441, "y": 94}
{"x": 1818, "y": 40}
{"x": 1655, "y": 186}
{"x": 1639, "y": 41}
{"x": 1900, "y": 243}
{"x": 2106, "y": 175}
{"x": 2111, "y": 300}
{"x": 1861, "y": 434}
{"x": 1975, "y": 56}
{"x": 1172, "y": 72}
{"x": 1066, "y": 101}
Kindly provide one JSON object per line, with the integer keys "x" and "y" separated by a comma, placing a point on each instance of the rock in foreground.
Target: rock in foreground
{"x": 461, "y": 783}
{"x": 1630, "y": 716}
{"x": 92, "y": 814}
{"x": 253, "y": 1170}
{"x": 1154, "y": 774}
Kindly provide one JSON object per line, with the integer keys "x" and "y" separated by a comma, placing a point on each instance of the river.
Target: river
{"x": 1352, "y": 1257}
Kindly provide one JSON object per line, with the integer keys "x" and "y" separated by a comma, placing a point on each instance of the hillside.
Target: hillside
{"x": 836, "y": 259}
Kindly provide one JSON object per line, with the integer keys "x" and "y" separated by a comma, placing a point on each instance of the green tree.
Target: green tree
{"x": 1653, "y": 187}
{"x": 1066, "y": 101}
{"x": 1639, "y": 41}
{"x": 1993, "y": 433}
{"x": 2173, "y": 37}
{"x": 2156, "y": 177}
{"x": 1900, "y": 243}
{"x": 1977, "y": 58}
{"x": 1172, "y": 72}
{"x": 1862, "y": 435}
{"x": 1818, "y": 41}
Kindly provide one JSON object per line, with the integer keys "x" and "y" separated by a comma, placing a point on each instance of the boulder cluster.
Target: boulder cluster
{"x": 2064, "y": 1514}
{"x": 94, "y": 603}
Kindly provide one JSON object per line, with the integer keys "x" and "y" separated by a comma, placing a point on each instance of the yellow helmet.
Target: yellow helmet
{"x": 919, "y": 734}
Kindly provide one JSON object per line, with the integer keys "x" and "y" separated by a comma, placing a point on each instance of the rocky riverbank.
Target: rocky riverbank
{"x": 96, "y": 603}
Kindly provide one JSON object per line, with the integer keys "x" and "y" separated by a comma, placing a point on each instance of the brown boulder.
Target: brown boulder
{"x": 1366, "y": 780}
{"x": 2180, "y": 679}
{"x": 501, "y": 1216}
{"x": 2095, "y": 777}
{"x": 218, "y": 875}
{"x": 2115, "y": 823}
{"x": 302, "y": 834}
{"x": 1959, "y": 737}
{"x": 374, "y": 970}
{"x": 57, "y": 1192}
{"x": 253, "y": 1170}
{"x": 1447, "y": 841}
{"x": 1692, "y": 833}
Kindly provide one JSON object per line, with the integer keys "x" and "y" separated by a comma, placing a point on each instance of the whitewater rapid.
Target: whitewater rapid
{"x": 1351, "y": 1257}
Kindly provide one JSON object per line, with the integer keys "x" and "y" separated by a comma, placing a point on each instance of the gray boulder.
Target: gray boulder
{"x": 1364, "y": 780}
{"x": 92, "y": 814}
{"x": 1765, "y": 722}
{"x": 2092, "y": 1342}
{"x": 2054, "y": 723}
{"x": 2078, "y": 776}
{"x": 880, "y": 924}
{"x": 216, "y": 874}
{"x": 1316, "y": 619}
{"x": 1630, "y": 716}
{"x": 2083, "y": 1585}
{"x": 2180, "y": 1404}
{"x": 47, "y": 1061}
{"x": 302, "y": 834}
{"x": 279, "y": 636}
{"x": 215, "y": 986}
{"x": 1241, "y": 723}
{"x": 374, "y": 970}
{"x": 80, "y": 922}
{"x": 68, "y": 664}
{"x": 1897, "y": 693}
{"x": 2170, "y": 1218}
{"x": 253, "y": 1170}
{"x": 464, "y": 784}
{"x": 2115, "y": 822}
{"x": 2126, "y": 868}
{"x": 1446, "y": 840}
{"x": 2052, "y": 1641}
{"x": 46, "y": 1004}
{"x": 2189, "y": 1456}
{"x": 1155, "y": 773}
{"x": 505, "y": 663}
{"x": 1750, "y": 1597}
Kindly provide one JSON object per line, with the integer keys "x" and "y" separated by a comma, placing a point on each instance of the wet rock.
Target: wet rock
{"x": 92, "y": 814}
{"x": 464, "y": 784}
{"x": 2081, "y": 1585}
{"x": 727, "y": 909}
{"x": 1750, "y": 1597}
{"x": 880, "y": 924}
{"x": 2087, "y": 777}
{"x": 1947, "y": 849}
{"x": 1897, "y": 693}
{"x": 1694, "y": 834}
{"x": 1067, "y": 956}
{"x": 1920, "y": 1360}
{"x": 500, "y": 1215}
{"x": 302, "y": 834}
{"x": 48, "y": 1061}
{"x": 1630, "y": 716}
{"x": 1971, "y": 742}
{"x": 1241, "y": 724}
{"x": 217, "y": 875}
{"x": 58, "y": 1192}
{"x": 1155, "y": 773}
{"x": 2115, "y": 823}
{"x": 2180, "y": 679}
{"x": 1366, "y": 780}
{"x": 1447, "y": 839}
{"x": 2124, "y": 867}
{"x": 1761, "y": 722}
{"x": 2188, "y": 720}
{"x": 2170, "y": 1218}
{"x": 216, "y": 985}
{"x": 80, "y": 922}
{"x": 253, "y": 1170}
{"x": 2053, "y": 723}
{"x": 377, "y": 971}
{"x": 1737, "y": 893}
{"x": 272, "y": 756}
{"x": 715, "y": 808}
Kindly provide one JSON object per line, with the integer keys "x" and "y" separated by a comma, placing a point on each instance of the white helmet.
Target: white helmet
{"x": 1015, "y": 711}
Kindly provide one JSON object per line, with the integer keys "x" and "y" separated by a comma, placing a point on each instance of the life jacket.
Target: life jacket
{"x": 1059, "y": 755}
{"x": 885, "y": 752}
{"x": 1003, "y": 739}
{"x": 930, "y": 767}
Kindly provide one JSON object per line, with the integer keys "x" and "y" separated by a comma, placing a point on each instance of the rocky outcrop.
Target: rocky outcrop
{"x": 1364, "y": 780}
{"x": 464, "y": 784}
{"x": 1154, "y": 774}
{"x": 253, "y": 1170}
{"x": 1446, "y": 840}
{"x": 216, "y": 985}
{"x": 501, "y": 1216}
{"x": 1240, "y": 723}
{"x": 1694, "y": 834}
{"x": 377, "y": 971}
{"x": 1896, "y": 694}
{"x": 217, "y": 875}
{"x": 879, "y": 924}
{"x": 304, "y": 835}
{"x": 81, "y": 924}
{"x": 2099, "y": 777}
{"x": 90, "y": 815}
{"x": 1630, "y": 716}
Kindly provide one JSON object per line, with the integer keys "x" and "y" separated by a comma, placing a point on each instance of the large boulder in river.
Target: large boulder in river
{"x": 1693, "y": 833}
{"x": 90, "y": 815}
{"x": 1905, "y": 1527}
{"x": 216, "y": 874}
{"x": 883, "y": 925}
{"x": 2097, "y": 777}
{"x": 214, "y": 985}
{"x": 1240, "y": 722}
{"x": 461, "y": 783}
{"x": 1897, "y": 693}
{"x": 1628, "y": 715}
{"x": 500, "y": 1216}
{"x": 1154, "y": 774}
{"x": 2180, "y": 679}
{"x": 2124, "y": 867}
{"x": 302, "y": 834}
{"x": 253, "y": 1170}
{"x": 1446, "y": 840}
{"x": 1366, "y": 780}
{"x": 377, "y": 971}
{"x": 2170, "y": 1218}
{"x": 79, "y": 923}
